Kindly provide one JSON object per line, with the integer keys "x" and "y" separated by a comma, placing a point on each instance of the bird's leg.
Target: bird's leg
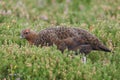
{"x": 84, "y": 59}
{"x": 85, "y": 49}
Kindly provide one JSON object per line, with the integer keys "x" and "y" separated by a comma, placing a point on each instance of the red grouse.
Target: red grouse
{"x": 65, "y": 38}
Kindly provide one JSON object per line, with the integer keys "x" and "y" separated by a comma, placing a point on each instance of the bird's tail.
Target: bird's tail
{"x": 104, "y": 48}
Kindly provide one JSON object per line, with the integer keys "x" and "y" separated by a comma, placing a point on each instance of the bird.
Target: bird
{"x": 70, "y": 38}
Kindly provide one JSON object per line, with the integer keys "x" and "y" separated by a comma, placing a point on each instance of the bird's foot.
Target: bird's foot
{"x": 84, "y": 59}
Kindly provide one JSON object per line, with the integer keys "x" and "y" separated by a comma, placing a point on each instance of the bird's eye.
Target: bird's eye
{"x": 26, "y": 32}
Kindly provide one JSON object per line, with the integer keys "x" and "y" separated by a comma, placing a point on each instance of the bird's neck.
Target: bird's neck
{"x": 32, "y": 38}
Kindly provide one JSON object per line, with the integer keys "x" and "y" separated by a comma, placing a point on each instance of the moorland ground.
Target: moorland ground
{"x": 19, "y": 60}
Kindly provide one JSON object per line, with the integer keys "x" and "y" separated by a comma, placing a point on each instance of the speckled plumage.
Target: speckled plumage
{"x": 65, "y": 37}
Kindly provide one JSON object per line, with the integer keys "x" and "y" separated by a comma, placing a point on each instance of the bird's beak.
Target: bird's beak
{"x": 21, "y": 37}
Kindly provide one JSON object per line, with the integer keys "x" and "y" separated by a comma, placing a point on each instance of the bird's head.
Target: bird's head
{"x": 27, "y": 34}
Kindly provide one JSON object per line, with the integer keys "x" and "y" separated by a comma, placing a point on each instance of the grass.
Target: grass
{"x": 19, "y": 60}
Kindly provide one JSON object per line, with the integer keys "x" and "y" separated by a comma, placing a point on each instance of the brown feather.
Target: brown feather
{"x": 65, "y": 37}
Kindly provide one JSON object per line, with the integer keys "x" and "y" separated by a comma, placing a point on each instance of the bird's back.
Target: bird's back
{"x": 64, "y": 32}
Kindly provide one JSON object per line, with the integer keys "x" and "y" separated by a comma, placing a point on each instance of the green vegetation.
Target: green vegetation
{"x": 19, "y": 60}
